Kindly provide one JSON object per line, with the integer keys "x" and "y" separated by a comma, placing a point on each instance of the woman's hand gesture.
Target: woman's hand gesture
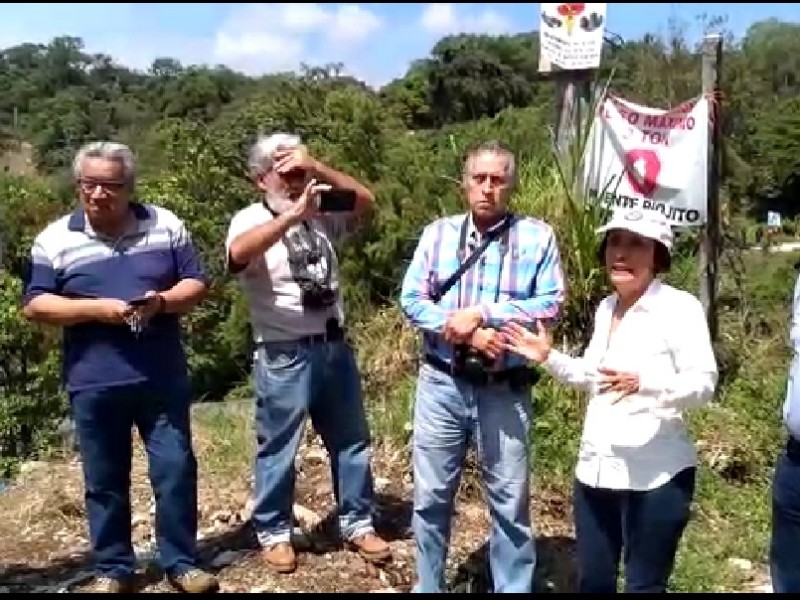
{"x": 534, "y": 345}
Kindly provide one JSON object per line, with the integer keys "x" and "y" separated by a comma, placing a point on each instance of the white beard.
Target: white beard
{"x": 278, "y": 204}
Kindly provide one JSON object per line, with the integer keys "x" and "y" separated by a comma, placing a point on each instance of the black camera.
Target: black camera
{"x": 476, "y": 368}
{"x": 473, "y": 363}
{"x": 316, "y": 293}
{"x": 316, "y": 296}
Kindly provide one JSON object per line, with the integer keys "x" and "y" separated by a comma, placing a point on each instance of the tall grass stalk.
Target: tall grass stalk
{"x": 554, "y": 189}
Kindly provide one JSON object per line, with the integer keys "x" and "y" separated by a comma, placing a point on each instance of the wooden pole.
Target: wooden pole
{"x": 573, "y": 103}
{"x": 710, "y": 242}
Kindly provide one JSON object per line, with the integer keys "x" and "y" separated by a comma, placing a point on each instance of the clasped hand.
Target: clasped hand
{"x": 464, "y": 327}
{"x": 461, "y": 324}
{"x": 117, "y": 312}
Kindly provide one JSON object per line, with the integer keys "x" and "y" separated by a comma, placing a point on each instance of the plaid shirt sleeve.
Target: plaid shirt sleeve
{"x": 415, "y": 302}
{"x": 547, "y": 285}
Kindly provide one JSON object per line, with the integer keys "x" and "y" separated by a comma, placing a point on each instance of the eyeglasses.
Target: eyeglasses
{"x": 88, "y": 186}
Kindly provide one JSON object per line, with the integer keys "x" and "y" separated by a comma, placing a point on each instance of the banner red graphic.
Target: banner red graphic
{"x": 643, "y": 184}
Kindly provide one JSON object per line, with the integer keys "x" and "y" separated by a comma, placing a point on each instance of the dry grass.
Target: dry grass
{"x": 17, "y": 159}
{"x": 387, "y": 350}
{"x": 43, "y": 530}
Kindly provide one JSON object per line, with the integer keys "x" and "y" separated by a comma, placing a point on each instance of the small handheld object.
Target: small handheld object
{"x": 134, "y": 320}
{"x": 140, "y": 301}
{"x": 337, "y": 200}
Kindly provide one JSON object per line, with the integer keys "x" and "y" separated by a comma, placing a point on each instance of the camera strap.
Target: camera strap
{"x": 318, "y": 248}
{"x": 500, "y": 230}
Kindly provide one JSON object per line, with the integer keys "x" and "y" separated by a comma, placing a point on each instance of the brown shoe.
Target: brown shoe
{"x": 111, "y": 585}
{"x": 280, "y": 557}
{"x": 371, "y": 547}
{"x": 195, "y": 581}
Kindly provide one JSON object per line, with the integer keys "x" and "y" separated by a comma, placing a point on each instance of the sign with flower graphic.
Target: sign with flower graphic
{"x": 571, "y": 35}
{"x": 641, "y": 157}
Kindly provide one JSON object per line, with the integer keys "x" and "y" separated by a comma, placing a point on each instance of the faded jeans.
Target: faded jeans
{"x": 294, "y": 380}
{"x": 448, "y": 415}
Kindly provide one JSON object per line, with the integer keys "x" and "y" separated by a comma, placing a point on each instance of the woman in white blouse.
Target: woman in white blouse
{"x": 649, "y": 359}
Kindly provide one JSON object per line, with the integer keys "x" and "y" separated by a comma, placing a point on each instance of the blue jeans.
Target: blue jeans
{"x": 785, "y": 542}
{"x": 294, "y": 380}
{"x": 103, "y": 420}
{"x": 643, "y": 526}
{"x": 448, "y": 414}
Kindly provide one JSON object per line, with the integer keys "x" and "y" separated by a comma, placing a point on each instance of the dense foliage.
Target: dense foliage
{"x": 191, "y": 127}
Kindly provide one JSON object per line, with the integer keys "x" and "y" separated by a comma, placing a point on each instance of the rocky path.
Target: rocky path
{"x": 43, "y": 538}
{"x": 43, "y": 533}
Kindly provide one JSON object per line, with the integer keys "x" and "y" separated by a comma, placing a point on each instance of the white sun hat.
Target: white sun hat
{"x": 651, "y": 224}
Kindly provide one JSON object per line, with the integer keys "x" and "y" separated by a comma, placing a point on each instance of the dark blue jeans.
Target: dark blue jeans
{"x": 104, "y": 419}
{"x": 295, "y": 380}
{"x": 785, "y": 542}
{"x": 643, "y": 527}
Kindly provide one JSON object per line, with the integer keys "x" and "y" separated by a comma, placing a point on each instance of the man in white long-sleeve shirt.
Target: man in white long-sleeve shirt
{"x": 784, "y": 554}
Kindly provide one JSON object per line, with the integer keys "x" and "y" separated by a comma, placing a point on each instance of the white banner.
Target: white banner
{"x": 650, "y": 158}
{"x": 571, "y": 35}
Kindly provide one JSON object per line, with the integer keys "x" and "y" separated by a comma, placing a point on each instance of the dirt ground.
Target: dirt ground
{"x": 43, "y": 537}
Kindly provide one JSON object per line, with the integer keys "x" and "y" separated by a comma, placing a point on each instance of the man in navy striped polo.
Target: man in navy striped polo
{"x": 117, "y": 275}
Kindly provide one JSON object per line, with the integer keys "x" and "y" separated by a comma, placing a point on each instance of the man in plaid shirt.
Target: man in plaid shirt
{"x": 468, "y": 387}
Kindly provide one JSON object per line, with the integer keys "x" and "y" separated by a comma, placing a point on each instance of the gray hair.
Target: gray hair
{"x": 109, "y": 151}
{"x": 492, "y": 147}
{"x": 260, "y": 158}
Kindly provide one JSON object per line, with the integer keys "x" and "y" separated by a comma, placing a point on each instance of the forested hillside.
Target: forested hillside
{"x": 191, "y": 126}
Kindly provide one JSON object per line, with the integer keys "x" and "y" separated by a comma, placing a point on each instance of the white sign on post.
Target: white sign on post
{"x": 571, "y": 35}
{"x": 651, "y": 159}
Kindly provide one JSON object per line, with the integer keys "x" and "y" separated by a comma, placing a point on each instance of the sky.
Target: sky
{"x": 376, "y": 42}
